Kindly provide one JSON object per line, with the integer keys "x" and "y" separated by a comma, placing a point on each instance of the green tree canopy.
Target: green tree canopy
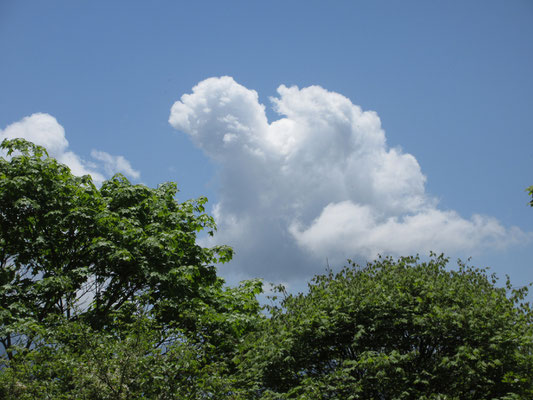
{"x": 68, "y": 248}
{"x": 106, "y": 294}
{"x": 400, "y": 329}
{"x": 102, "y": 287}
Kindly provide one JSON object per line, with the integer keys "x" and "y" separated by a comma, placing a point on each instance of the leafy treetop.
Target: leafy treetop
{"x": 395, "y": 329}
{"x": 70, "y": 249}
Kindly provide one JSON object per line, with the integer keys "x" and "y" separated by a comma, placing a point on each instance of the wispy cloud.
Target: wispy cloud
{"x": 114, "y": 164}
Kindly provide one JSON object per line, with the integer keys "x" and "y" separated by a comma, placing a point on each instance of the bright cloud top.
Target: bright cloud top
{"x": 319, "y": 181}
{"x": 44, "y": 130}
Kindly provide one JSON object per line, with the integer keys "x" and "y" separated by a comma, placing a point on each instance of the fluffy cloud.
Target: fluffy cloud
{"x": 44, "y": 130}
{"x": 347, "y": 226}
{"x": 320, "y": 182}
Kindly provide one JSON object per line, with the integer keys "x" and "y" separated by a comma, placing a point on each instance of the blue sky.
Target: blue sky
{"x": 450, "y": 83}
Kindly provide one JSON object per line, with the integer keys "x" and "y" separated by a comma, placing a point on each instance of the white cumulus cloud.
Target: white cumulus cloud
{"x": 320, "y": 182}
{"x": 44, "y": 130}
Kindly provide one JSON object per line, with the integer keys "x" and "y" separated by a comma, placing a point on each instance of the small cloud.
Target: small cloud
{"x": 44, "y": 130}
{"x": 41, "y": 129}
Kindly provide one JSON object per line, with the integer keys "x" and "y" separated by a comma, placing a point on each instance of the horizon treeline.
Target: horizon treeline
{"x": 105, "y": 293}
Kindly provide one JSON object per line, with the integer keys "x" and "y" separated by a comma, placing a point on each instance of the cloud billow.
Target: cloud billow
{"x": 319, "y": 183}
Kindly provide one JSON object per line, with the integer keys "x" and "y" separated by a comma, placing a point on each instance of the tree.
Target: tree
{"x": 400, "y": 329}
{"x": 68, "y": 248}
{"x": 117, "y": 267}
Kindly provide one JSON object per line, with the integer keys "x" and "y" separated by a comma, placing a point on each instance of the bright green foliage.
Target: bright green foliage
{"x": 530, "y": 192}
{"x": 102, "y": 290}
{"x": 48, "y": 219}
{"x": 135, "y": 358}
{"x": 395, "y": 330}
{"x": 67, "y": 247}
{"x": 128, "y": 362}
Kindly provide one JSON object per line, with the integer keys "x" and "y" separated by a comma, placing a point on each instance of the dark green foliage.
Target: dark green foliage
{"x": 395, "y": 330}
